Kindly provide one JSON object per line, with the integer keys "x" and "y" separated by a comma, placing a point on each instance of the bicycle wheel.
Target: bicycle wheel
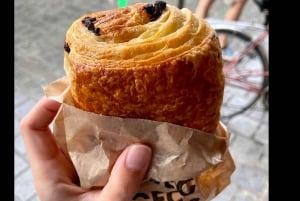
{"x": 246, "y": 73}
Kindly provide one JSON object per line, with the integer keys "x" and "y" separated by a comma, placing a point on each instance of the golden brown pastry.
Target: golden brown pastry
{"x": 150, "y": 61}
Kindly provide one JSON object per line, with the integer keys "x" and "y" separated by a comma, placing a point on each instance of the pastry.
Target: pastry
{"x": 149, "y": 61}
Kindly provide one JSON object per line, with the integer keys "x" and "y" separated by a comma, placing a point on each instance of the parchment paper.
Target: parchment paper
{"x": 187, "y": 163}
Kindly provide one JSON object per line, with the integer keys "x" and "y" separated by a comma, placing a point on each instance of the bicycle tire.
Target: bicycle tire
{"x": 237, "y": 98}
{"x": 266, "y": 98}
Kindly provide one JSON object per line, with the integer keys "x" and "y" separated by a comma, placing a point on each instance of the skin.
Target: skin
{"x": 233, "y": 13}
{"x": 54, "y": 175}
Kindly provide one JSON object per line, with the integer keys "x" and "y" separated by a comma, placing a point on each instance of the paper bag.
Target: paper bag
{"x": 187, "y": 164}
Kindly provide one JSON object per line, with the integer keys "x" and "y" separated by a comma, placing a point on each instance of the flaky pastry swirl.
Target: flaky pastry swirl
{"x": 146, "y": 61}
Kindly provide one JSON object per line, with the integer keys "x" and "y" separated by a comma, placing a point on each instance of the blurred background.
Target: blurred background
{"x": 40, "y": 28}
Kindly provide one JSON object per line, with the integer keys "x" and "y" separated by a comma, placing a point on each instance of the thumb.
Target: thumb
{"x": 128, "y": 173}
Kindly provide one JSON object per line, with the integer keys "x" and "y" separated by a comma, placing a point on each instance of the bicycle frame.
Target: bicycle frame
{"x": 246, "y": 67}
{"x": 243, "y": 27}
{"x": 230, "y": 64}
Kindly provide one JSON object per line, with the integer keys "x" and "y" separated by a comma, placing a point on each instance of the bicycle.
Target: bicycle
{"x": 246, "y": 71}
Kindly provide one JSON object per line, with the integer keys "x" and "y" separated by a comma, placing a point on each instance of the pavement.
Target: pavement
{"x": 40, "y": 28}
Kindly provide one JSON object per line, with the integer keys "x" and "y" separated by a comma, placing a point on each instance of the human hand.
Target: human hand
{"x": 53, "y": 173}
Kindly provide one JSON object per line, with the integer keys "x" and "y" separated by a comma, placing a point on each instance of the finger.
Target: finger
{"x": 48, "y": 163}
{"x": 52, "y": 171}
{"x": 38, "y": 139}
{"x": 128, "y": 173}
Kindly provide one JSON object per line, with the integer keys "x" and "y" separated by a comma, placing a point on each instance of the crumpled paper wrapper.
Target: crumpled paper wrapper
{"x": 187, "y": 164}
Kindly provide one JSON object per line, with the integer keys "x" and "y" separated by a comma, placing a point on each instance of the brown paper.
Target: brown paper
{"x": 187, "y": 163}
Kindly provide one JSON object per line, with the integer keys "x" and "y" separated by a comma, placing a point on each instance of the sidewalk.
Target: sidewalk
{"x": 40, "y": 29}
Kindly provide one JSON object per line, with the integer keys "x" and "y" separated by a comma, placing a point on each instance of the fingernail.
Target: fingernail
{"x": 138, "y": 157}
